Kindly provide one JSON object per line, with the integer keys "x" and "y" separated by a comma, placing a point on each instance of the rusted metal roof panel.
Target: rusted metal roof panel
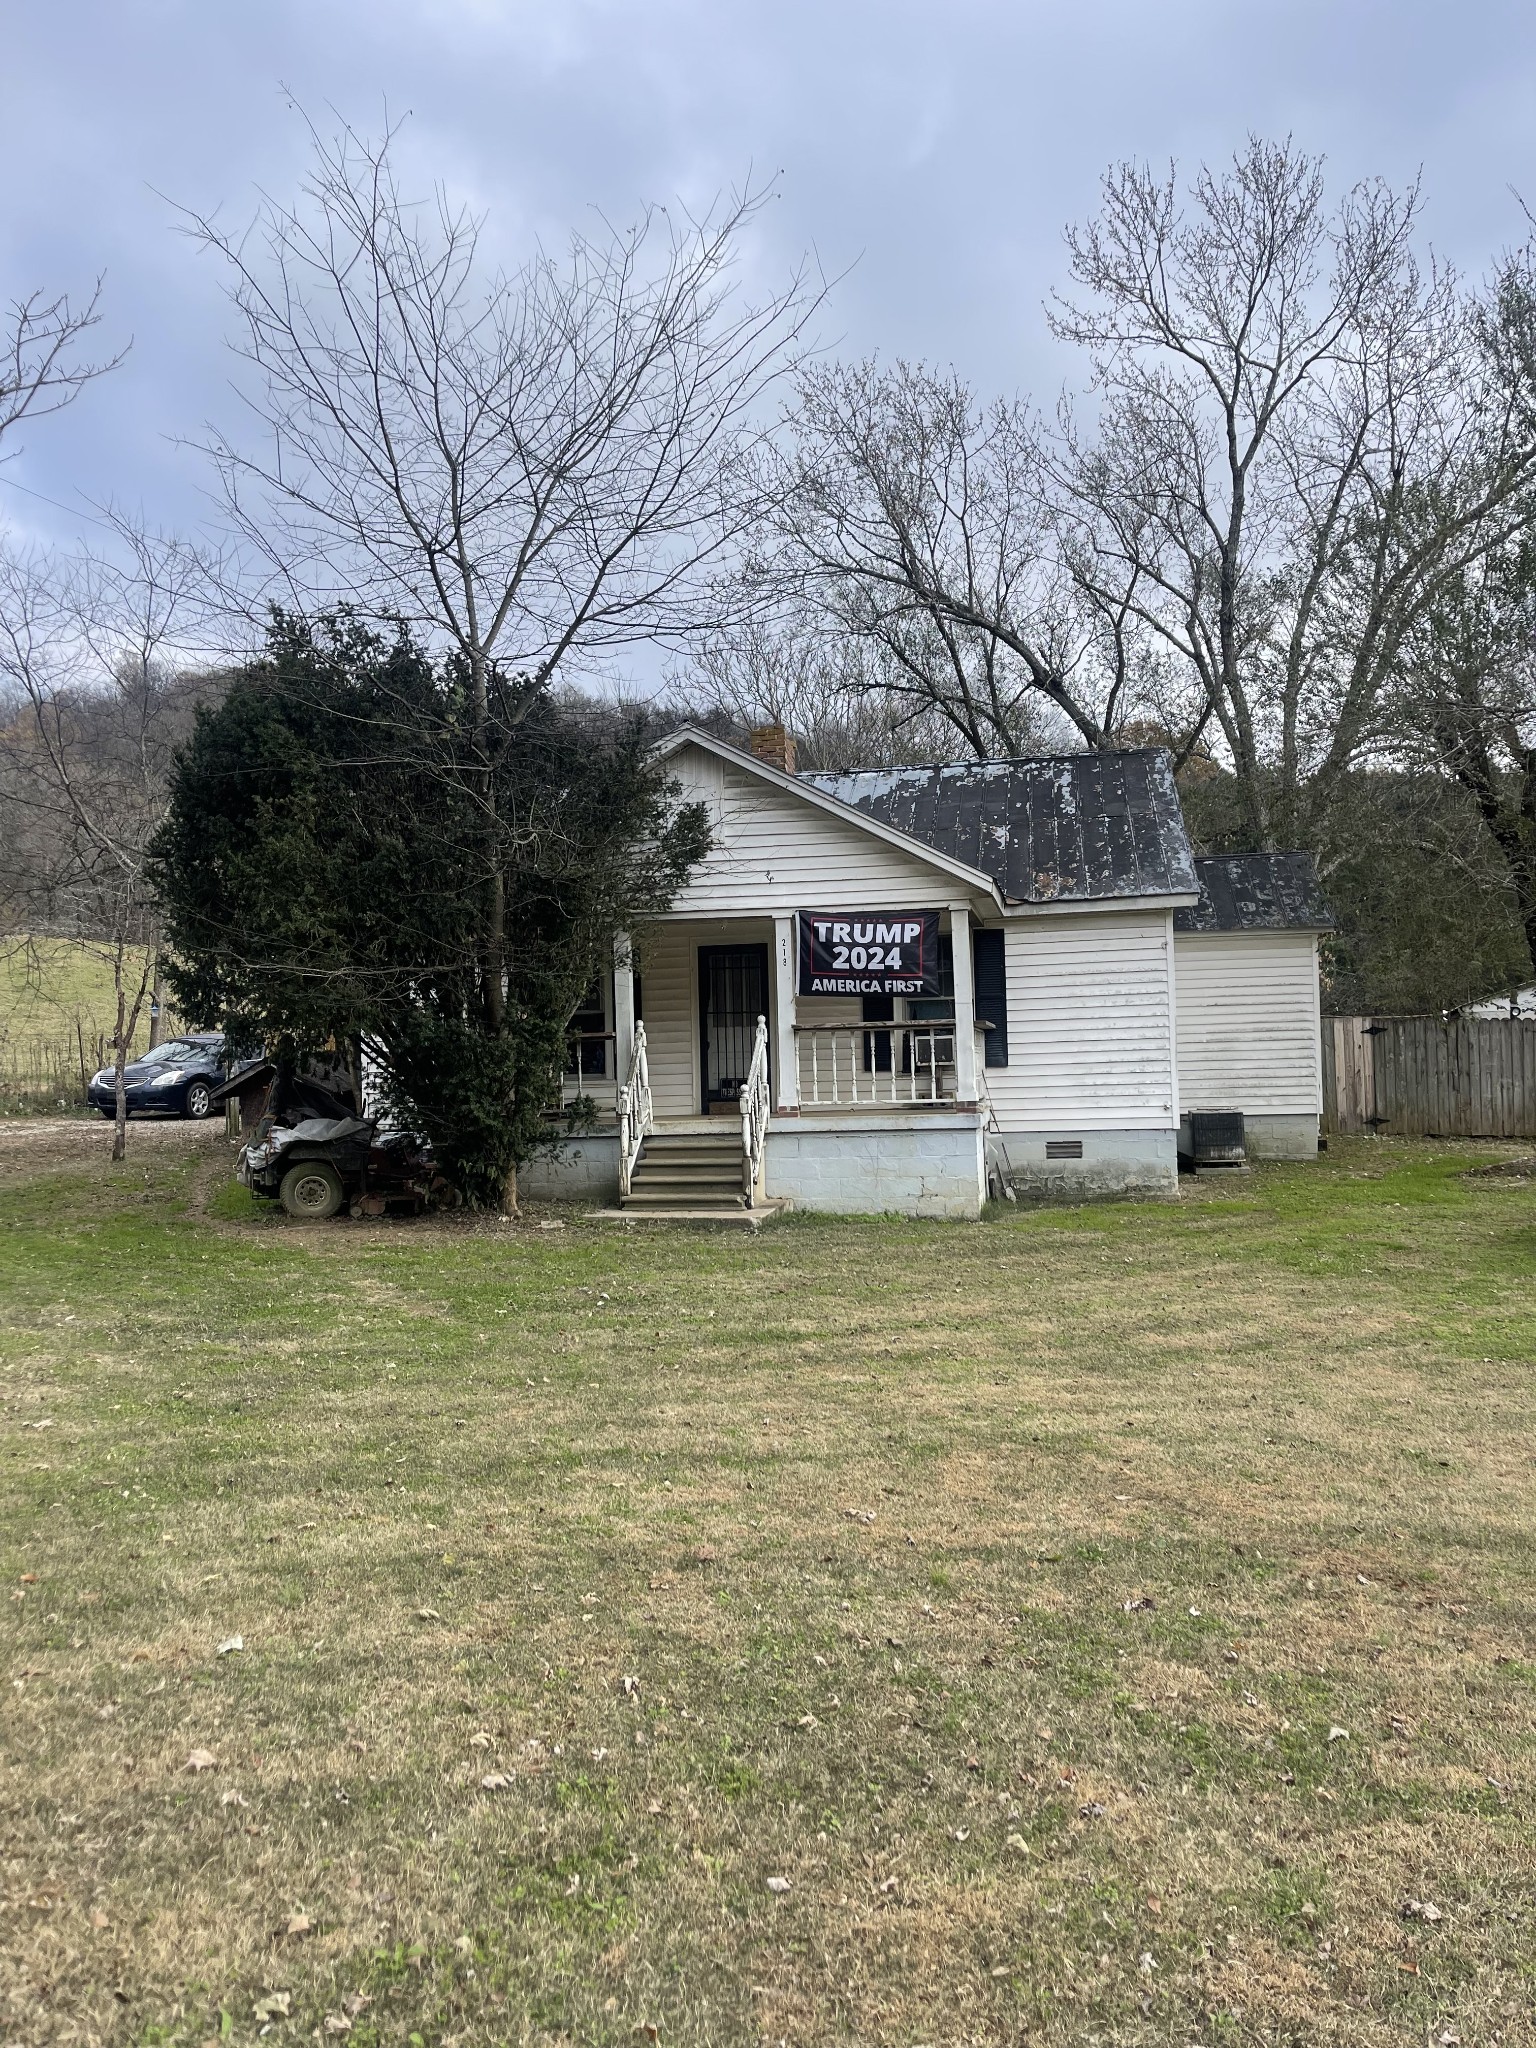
{"x": 1072, "y": 828}
{"x": 1256, "y": 892}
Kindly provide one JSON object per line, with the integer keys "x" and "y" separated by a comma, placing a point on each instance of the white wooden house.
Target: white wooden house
{"x": 776, "y": 1037}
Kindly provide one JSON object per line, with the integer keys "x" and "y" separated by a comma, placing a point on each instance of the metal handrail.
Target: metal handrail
{"x": 756, "y": 1101}
{"x": 635, "y": 1117}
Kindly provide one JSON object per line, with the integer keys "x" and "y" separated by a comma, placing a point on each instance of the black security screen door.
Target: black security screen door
{"x": 733, "y": 994}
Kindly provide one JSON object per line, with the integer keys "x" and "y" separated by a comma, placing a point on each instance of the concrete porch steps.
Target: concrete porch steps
{"x": 687, "y": 1172}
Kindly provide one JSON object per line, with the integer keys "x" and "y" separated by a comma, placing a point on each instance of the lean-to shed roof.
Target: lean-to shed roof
{"x": 1072, "y": 828}
{"x": 1256, "y": 892}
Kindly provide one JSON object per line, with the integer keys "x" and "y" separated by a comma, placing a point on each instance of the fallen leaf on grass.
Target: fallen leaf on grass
{"x": 1338, "y": 1735}
{"x": 428, "y": 1614}
{"x": 480, "y": 1739}
{"x": 1421, "y": 1909}
{"x": 202, "y": 1760}
{"x": 298, "y": 1923}
{"x": 495, "y": 1781}
{"x": 229, "y": 1645}
{"x": 778, "y": 1884}
{"x": 99, "y": 1919}
{"x": 273, "y": 2005}
{"x": 233, "y": 1798}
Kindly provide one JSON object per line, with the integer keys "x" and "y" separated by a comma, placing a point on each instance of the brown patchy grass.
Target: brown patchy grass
{"x": 998, "y": 1587}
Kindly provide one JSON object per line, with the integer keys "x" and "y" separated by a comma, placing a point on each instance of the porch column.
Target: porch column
{"x": 623, "y": 1009}
{"x": 786, "y": 1093}
{"x": 965, "y": 1009}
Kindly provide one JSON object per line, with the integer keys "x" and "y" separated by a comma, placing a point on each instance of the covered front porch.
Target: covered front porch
{"x": 703, "y": 1047}
{"x": 700, "y": 985}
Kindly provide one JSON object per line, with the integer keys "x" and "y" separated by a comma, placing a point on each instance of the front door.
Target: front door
{"x": 733, "y": 994}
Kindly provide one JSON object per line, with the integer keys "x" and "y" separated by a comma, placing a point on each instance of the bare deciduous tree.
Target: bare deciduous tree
{"x": 912, "y": 520}
{"x": 834, "y": 692}
{"x": 532, "y": 468}
{"x": 1281, "y": 399}
{"x": 41, "y": 367}
{"x": 98, "y": 702}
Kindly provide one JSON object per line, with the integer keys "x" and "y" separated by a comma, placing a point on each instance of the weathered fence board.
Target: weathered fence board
{"x": 1425, "y": 1077}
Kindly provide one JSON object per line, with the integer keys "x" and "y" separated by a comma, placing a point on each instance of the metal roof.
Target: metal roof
{"x": 1256, "y": 892}
{"x": 1072, "y": 828}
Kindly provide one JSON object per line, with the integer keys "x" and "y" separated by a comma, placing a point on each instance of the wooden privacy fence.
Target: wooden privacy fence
{"x": 1426, "y": 1077}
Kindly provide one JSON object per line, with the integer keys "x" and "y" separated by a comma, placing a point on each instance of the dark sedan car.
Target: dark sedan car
{"x": 177, "y": 1078}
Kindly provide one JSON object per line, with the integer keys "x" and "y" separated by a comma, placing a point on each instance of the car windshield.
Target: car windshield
{"x": 173, "y": 1053}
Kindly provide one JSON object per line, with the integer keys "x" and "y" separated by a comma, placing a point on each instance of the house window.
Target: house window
{"x": 939, "y": 1009}
{"x": 588, "y": 1046}
{"x": 877, "y": 1044}
{"x": 991, "y": 985}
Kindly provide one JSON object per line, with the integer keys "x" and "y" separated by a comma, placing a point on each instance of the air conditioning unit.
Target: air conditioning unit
{"x": 1216, "y": 1138}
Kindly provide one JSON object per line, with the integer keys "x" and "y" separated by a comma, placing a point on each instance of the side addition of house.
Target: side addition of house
{"x": 1246, "y": 972}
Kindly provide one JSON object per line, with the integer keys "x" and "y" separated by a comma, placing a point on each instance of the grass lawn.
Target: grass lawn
{"x": 1110, "y": 1625}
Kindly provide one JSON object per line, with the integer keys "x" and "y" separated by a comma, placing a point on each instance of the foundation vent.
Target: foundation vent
{"x": 1063, "y": 1148}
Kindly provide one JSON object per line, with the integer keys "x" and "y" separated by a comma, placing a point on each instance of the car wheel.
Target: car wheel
{"x": 198, "y": 1102}
{"x": 311, "y": 1190}
{"x": 109, "y": 1114}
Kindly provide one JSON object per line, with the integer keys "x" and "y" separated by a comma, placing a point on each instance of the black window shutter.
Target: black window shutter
{"x": 991, "y": 994}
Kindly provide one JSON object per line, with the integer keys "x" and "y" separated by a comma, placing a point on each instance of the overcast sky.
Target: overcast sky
{"x": 932, "y": 152}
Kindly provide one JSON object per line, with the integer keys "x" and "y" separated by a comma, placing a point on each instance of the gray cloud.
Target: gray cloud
{"x": 937, "y": 150}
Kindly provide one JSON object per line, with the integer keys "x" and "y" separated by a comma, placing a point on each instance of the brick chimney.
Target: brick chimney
{"x": 773, "y": 744}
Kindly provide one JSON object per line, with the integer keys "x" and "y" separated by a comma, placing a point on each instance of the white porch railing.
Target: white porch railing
{"x": 877, "y": 1065}
{"x": 635, "y": 1116}
{"x": 756, "y": 1101}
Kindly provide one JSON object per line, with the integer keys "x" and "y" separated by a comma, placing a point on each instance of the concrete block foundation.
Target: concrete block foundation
{"x": 584, "y": 1169}
{"x": 1281, "y": 1137}
{"x": 1107, "y": 1163}
{"x": 908, "y": 1165}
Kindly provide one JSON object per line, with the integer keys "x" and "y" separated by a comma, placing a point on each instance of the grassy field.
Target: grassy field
{"x": 1097, "y": 1626}
{"x": 58, "y": 1009}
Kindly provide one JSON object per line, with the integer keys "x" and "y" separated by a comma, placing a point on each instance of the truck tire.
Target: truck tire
{"x": 311, "y": 1190}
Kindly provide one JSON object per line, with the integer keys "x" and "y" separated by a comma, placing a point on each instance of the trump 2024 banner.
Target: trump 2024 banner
{"x": 869, "y": 953}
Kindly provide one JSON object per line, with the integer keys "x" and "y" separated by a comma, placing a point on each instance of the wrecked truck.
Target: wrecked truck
{"x": 308, "y": 1148}
{"x": 315, "y": 1166}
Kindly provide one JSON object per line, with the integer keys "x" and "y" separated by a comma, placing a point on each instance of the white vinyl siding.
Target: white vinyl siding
{"x": 1090, "y": 1035}
{"x": 1248, "y": 1028}
{"x": 774, "y": 851}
